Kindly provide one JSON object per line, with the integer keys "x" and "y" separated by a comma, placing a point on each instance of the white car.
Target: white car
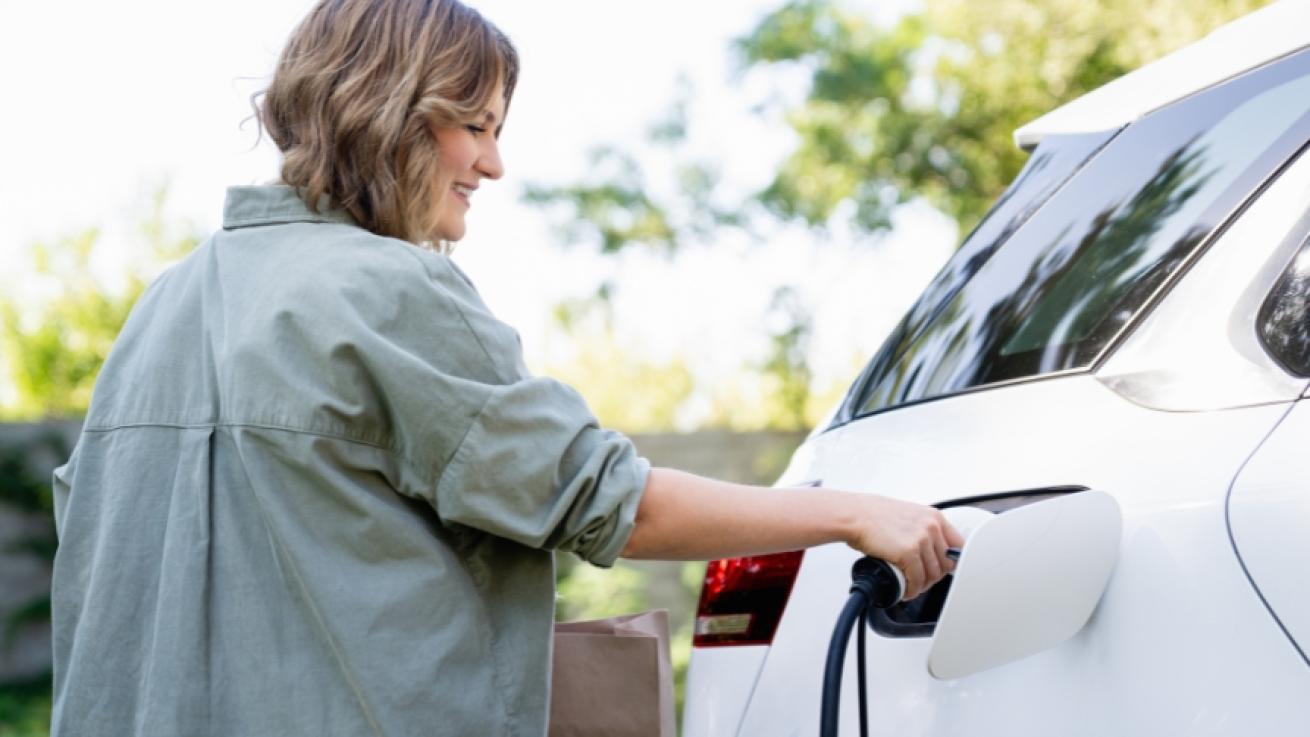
{"x": 1132, "y": 317}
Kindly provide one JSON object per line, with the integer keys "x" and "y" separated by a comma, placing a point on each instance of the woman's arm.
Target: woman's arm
{"x": 686, "y": 517}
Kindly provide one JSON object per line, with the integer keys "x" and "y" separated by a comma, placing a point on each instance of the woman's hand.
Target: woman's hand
{"x": 912, "y": 537}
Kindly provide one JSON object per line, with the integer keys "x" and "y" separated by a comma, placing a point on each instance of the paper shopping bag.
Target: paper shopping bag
{"x": 613, "y": 678}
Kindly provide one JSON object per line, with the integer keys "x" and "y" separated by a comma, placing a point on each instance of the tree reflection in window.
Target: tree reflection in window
{"x": 1285, "y": 317}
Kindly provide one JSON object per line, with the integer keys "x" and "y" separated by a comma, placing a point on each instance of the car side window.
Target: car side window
{"x": 1050, "y": 166}
{"x": 1285, "y": 316}
{"x": 1073, "y": 278}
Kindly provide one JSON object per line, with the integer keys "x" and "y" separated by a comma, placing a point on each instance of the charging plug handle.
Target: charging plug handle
{"x": 879, "y": 581}
{"x": 874, "y": 584}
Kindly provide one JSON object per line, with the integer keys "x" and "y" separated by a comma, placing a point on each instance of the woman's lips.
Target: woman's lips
{"x": 462, "y": 195}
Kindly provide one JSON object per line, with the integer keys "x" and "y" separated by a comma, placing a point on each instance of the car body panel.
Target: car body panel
{"x": 1269, "y": 515}
{"x": 1199, "y": 349}
{"x": 1131, "y": 671}
{"x": 1055, "y": 555}
{"x": 722, "y": 682}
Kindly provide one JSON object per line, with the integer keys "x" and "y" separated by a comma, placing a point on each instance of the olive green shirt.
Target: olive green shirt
{"x": 317, "y": 493}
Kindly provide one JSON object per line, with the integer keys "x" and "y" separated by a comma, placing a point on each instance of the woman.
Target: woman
{"x": 317, "y": 493}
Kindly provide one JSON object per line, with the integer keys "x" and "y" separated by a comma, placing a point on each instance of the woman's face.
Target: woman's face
{"x": 466, "y": 154}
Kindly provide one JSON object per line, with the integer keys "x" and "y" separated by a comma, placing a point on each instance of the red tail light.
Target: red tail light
{"x": 742, "y": 599}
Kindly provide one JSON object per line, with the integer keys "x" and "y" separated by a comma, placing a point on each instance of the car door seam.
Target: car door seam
{"x": 1232, "y": 540}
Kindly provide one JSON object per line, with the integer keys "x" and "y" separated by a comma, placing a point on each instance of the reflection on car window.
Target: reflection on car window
{"x": 1091, "y": 258}
{"x": 1285, "y": 317}
{"x": 1053, "y": 162}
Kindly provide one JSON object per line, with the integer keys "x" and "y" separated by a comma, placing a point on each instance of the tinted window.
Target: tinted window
{"x": 1285, "y": 317}
{"x": 1092, "y": 257}
{"x": 1050, "y": 165}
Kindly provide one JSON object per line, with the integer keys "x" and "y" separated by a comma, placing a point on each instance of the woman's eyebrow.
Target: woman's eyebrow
{"x": 489, "y": 121}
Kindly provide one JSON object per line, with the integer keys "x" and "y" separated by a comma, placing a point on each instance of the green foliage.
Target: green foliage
{"x": 617, "y": 206}
{"x": 53, "y": 347}
{"x": 25, "y": 709}
{"x": 588, "y": 592}
{"x": 788, "y": 362}
{"x": 922, "y": 108}
{"x": 626, "y": 392}
{"x": 54, "y": 352}
{"x": 618, "y": 210}
{"x": 926, "y": 107}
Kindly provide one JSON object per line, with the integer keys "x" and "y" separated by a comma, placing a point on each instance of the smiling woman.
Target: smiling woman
{"x": 317, "y": 492}
{"x": 384, "y": 107}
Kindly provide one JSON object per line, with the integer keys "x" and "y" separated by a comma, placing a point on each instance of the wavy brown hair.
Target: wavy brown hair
{"x": 354, "y": 96}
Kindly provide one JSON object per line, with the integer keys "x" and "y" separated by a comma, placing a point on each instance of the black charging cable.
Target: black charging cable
{"x": 874, "y": 585}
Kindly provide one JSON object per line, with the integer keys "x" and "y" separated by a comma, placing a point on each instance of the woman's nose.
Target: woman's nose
{"x": 489, "y": 163}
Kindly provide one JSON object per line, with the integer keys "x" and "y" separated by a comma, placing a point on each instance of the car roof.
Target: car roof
{"x": 1254, "y": 39}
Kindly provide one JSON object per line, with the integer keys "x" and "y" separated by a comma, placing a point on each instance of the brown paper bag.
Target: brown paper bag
{"x": 613, "y": 678}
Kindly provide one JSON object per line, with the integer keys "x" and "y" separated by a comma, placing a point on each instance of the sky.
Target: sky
{"x": 108, "y": 101}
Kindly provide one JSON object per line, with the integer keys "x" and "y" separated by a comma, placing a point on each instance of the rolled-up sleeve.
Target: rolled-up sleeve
{"x": 500, "y": 451}
{"x": 535, "y": 468}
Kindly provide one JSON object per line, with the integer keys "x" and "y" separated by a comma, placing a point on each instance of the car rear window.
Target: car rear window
{"x": 1285, "y": 316}
{"x": 1054, "y": 161}
{"x": 1070, "y": 277}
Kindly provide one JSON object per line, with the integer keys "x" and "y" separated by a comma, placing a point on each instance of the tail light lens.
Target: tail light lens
{"x": 742, "y": 599}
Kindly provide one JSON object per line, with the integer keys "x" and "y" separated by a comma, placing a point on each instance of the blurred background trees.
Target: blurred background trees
{"x": 54, "y": 338}
{"x": 922, "y": 106}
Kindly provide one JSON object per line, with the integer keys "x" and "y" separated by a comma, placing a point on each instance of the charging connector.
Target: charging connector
{"x": 874, "y": 584}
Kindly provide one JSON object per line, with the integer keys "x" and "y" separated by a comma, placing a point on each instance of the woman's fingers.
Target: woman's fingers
{"x": 913, "y": 570}
{"x": 913, "y": 536}
{"x": 943, "y": 541}
{"x": 932, "y": 560}
{"x": 953, "y": 537}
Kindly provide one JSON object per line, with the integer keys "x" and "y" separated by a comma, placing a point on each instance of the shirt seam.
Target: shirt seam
{"x": 491, "y": 363}
{"x": 389, "y": 447}
{"x": 235, "y": 223}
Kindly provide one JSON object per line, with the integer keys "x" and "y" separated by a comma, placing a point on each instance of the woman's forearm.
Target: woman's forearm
{"x": 687, "y": 517}
{"x": 682, "y": 516}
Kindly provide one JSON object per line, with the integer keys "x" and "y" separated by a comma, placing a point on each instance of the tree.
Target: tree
{"x": 52, "y": 348}
{"x": 926, "y": 108}
{"x": 626, "y": 391}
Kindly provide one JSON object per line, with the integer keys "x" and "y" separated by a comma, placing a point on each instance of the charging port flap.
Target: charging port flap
{"x": 1027, "y": 580}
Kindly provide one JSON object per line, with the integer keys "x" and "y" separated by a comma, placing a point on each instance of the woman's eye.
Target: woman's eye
{"x": 476, "y": 129}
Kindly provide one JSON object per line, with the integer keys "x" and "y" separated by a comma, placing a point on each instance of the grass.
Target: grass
{"x": 25, "y": 708}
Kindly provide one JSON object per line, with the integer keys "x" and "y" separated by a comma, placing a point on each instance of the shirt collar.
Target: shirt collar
{"x": 272, "y": 204}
